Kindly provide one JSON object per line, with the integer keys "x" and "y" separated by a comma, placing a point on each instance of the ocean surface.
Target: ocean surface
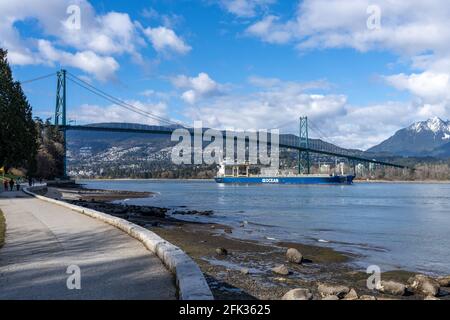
{"x": 394, "y": 226}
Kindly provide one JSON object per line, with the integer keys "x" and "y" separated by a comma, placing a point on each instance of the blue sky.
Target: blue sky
{"x": 359, "y": 72}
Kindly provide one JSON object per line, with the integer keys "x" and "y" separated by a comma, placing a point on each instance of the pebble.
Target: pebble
{"x": 245, "y": 271}
{"x": 221, "y": 251}
{"x": 282, "y": 270}
{"x": 333, "y": 290}
{"x": 331, "y": 298}
{"x": 298, "y": 294}
{"x": 431, "y": 298}
{"x": 367, "y": 297}
{"x": 352, "y": 295}
{"x": 392, "y": 287}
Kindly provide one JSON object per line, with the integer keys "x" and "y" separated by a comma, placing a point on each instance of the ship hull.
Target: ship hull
{"x": 346, "y": 179}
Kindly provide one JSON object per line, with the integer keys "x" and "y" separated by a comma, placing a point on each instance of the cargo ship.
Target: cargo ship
{"x": 234, "y": 173}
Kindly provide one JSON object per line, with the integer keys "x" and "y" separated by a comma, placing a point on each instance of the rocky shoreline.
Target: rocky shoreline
{"x": 243, "y": 269}
{"x": 78, "y": 192}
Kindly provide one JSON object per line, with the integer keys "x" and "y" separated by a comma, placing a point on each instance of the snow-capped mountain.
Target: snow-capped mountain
{"x": 424, "y": 138}
{"x": 440, "y": 128}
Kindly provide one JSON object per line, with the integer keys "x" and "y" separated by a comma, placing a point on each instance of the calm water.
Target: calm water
{"x": 391, "y": 225}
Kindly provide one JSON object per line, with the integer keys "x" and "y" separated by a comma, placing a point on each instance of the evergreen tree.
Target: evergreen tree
{"x": 50, "y": 152}
{"x": 18, "y": 145}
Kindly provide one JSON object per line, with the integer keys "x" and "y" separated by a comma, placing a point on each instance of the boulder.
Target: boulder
{"x": 221, "y": 251}
{"x": 282, "y": 270}
{"x": 367, "y": 297}
{"x": 298, "y": 294}
{"x": 333, "y": 290}
{"x": 351, "y": 295}
{"x": 424, "y": 285}
{"x": 431, "y": 298}
{"x": 294, "y": 256}
{"x": 331, "y": 298}
{"x": 444, "y": 281}
{"x": 393, "y": 288}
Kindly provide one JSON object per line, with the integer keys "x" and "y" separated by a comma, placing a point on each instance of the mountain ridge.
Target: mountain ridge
{"x": 422, "y": 138}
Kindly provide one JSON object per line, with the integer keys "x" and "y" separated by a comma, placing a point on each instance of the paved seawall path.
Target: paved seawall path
{"x": 44, "y": 239}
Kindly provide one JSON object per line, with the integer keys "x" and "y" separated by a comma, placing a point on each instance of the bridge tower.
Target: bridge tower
{"x": 60, "y": 112}
{"x": 304, "y": 165}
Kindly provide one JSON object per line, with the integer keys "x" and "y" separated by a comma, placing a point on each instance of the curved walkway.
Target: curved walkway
{"x": 43, "y": 240}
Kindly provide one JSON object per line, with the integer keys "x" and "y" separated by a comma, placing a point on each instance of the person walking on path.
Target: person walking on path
{"x": 5, "y": 184}
{"x": 11, "y": 184}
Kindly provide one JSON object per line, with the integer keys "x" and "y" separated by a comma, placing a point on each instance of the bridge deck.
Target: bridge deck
{"x": 291, "y": 142}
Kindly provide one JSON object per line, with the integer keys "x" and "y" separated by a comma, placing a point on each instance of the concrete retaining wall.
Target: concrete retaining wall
{"x": 189, "y": 279}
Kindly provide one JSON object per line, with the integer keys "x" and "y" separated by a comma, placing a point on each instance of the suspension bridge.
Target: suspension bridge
{"x": 301, "y": 143}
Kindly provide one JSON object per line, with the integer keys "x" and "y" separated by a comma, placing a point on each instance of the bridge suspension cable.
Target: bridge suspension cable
{"x": 320, "y": 133}
{"x": 286, "y": 124}
{"x": 38, "y": 78}
{"x": 326, "y": 138}
{"x": 87, "y": 86}
{"x": 314, "y": 128}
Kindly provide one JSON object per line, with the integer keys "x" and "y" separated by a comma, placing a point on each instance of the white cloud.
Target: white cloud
{"x": 429, "y": 86}
{"x": 267, "y": 109}
{"x": 102, "y": 67}
{"x": 168, "y": 20}
{"x": 415, "y": 30}
{"x": 406, "y": 26}
{"x": 245, "y": 8}
{"x": 164, "y": 39}
{"x": 189, "y": 96}
{"x": 270, "y": 31}
{"x": 93, "y": 47}
{"x": 275, "y": 103}
{"x": 276, "y": 84}
{"x": 90, "y": 49}
{"x": 339, "y": 123}
{"x": 198, "y": 87}
{"x": 115, "y": 33}
{"x": 365, "y": 126}
{"x": 149, "y": 93}
{"x": 280, "y": 103}
{"x": 87, "y": 113}
{"x": 108, "y": 34}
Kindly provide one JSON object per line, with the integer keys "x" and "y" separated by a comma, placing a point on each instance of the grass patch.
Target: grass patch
{"x": 2, "y": 228}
